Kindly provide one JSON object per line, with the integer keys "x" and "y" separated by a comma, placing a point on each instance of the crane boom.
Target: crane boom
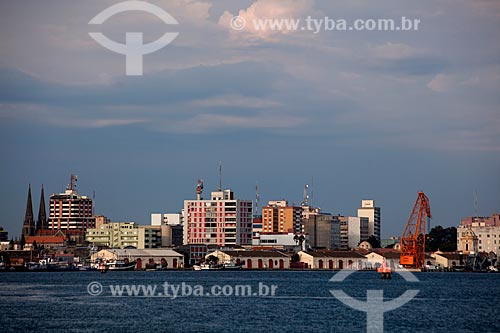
{"x": 413, "y": 239}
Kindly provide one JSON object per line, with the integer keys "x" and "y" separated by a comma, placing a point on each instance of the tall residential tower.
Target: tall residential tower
{"x": 70, "y": 210}
{"x": 222, "y": 220}
{"x": 369, "y": 210}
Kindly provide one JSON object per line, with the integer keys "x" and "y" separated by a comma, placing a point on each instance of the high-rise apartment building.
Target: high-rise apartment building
{"x": 277, "y": 216}
{"x": 353, "y": 230}
{"x": 369, "y": 210}
{"x": 222, "y": 220}
{"x": 70, "y": 210}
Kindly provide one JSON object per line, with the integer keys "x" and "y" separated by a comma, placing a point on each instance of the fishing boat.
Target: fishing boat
{"x": 120, "y": 265}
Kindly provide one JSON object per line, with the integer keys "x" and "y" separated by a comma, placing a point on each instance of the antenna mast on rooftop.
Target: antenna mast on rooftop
{"x": 199, "y": 189}
{"x": 256, "y": 199}
{"x": 305, "y": 196}
{"x": 220, "y": 176}
{"x": 72, "y": 182}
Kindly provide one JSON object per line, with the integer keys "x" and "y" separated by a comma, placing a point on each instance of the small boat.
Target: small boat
{"x": 84, "y": 267}
{"x": 210, "y": 267}
{"x": 120, "y": 265}
{"x": 197, "y": 267}
{"x": 59, "y": 266}
{"x": 3, "y": 264}
{"x": 231, "y": 265}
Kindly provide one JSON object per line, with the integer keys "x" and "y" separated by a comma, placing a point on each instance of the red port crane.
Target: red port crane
{"x": 413, "y": 239}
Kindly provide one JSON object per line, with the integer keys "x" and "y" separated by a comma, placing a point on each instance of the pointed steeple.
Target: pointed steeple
{"x": 29, "y": 223}
{"x": 41, "y": 223}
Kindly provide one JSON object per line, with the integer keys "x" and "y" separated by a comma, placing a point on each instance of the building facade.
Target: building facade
{"x": 353, "y": 230}
{"x": 332, "y": 260}
{"x": 369, "y": 210}
{"x": 120, "y": 235}
{"x": 253, "y": 259}
{"x": 172, "y": 258}
{"x": 222, "y": 220}
{"x": 489, "y": 221}
{"x": 323, "y": 231}
{"x": 256, "y": 226}
{"x": 478, "y": 237}
{"x": 277, "y": 216}
{"x": 70, "y": 210}
{"x": 282, "y": 241}
{"x": 166, "y": 219}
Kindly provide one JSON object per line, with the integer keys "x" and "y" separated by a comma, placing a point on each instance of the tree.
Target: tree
{"x": 23, "y": 242}
{"x": 373, "y": 242}
{"x": 295, "y": 257}
{"x": 444, "y": 239}
{"x": 34, "y": 245}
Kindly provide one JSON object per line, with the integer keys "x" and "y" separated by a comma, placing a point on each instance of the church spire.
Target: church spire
{"x": 29, "y": 223}
{"x": 42, "y": 215}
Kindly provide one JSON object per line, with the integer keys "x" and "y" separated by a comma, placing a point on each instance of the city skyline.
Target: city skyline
{"x": 375, "y": 115}
{"x": 263, "y": 204}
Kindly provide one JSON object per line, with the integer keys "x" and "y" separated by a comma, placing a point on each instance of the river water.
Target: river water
{"x": 302, "y": 302}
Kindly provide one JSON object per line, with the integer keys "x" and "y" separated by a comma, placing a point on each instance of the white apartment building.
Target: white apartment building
{"x": 166, "y": 219}
{"x": 369, "y": 210}
{"x": 353, "y": 230}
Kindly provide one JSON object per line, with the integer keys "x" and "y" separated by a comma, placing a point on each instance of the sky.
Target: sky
{"x": 366, "y": 114}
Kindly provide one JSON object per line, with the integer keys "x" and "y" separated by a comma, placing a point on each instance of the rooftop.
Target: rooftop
{"x": 244, "y": 253}
{"x": 335, "y": 254}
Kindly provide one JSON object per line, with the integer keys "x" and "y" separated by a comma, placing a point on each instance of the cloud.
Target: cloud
{"x": 236, "y": 101}
{"x": 394, "y": 51}
{"x": 191, "y": 10}
{"x": 167, "y": 87}
{"x": 441, "y": 83}
{"x": 403, "y": 59}
{"x": 266, "y": 9}
{"x": 190, "y": 100}
{"x": 212, "y": 122}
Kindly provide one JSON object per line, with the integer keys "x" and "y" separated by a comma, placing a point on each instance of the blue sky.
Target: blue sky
{"x": 368, "y": 114}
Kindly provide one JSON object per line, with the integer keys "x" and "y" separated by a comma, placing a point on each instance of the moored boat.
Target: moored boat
{"x": 120, "y": 265}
